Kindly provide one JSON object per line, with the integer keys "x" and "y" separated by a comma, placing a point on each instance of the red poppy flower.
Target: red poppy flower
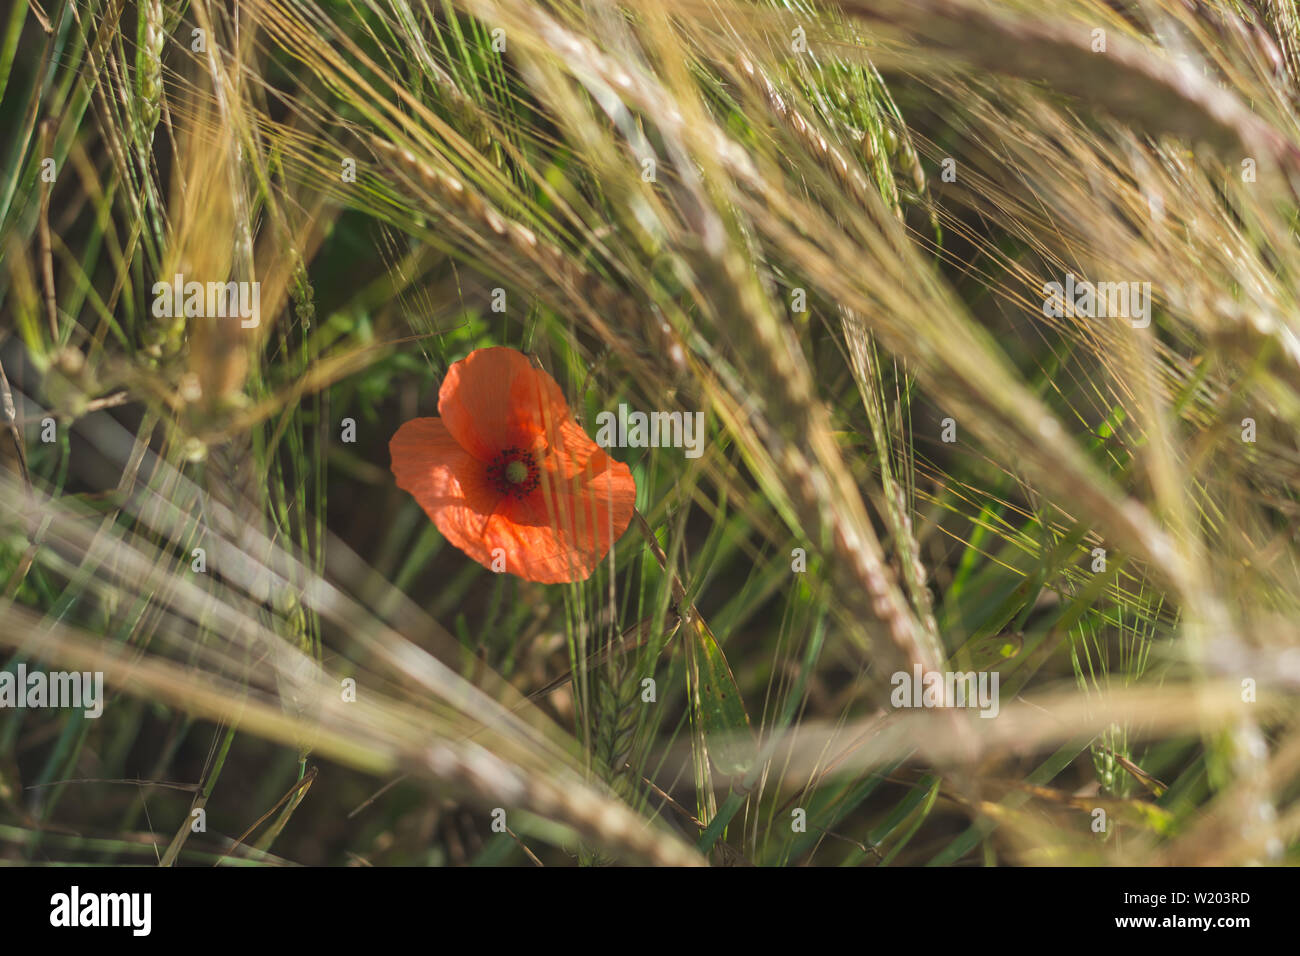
{"x": 509, "y": 477}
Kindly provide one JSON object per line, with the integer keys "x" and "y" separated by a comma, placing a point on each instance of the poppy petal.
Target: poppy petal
{"x": 493, "y": 399}
{"x": 565, "y": 528}
{"x": 448, "y": 482}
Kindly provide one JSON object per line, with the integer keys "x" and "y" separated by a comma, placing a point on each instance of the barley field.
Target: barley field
{"x": 682, "y": 433}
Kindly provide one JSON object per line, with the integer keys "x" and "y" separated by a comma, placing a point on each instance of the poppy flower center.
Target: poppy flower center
{"x": 514, "y": 472}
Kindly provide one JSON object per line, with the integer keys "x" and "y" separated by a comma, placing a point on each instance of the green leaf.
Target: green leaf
{"x": 720, "y": 708}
